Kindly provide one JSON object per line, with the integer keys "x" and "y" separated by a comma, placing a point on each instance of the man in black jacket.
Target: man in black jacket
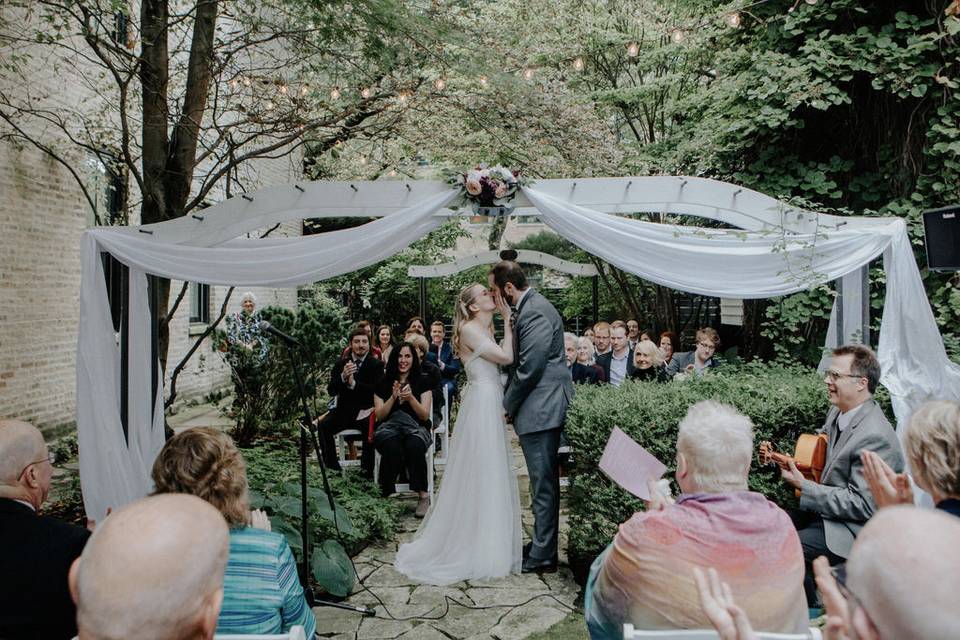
{"x": 617, "y": 363}
{"x": 35, "y": 551}
{"x": 352, "y": 382}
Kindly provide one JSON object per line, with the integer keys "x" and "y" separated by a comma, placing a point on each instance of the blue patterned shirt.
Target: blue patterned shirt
{"x": 261, "y": 592}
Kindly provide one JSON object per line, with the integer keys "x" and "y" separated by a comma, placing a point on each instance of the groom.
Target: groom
{"x": 538, "y": 390}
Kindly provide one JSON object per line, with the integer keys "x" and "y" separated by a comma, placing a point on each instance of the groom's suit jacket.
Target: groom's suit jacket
{"x": 539, "y": 386}
{"x": 843, "y": 497}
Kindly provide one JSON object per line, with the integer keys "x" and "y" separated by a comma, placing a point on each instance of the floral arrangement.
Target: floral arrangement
{"x": 487, "y": 187}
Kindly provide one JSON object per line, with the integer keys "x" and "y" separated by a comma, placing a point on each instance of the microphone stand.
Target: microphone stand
{"x": 307, "y": 427}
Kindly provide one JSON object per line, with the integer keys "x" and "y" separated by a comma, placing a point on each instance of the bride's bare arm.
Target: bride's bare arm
{"x": 478, "y": 341}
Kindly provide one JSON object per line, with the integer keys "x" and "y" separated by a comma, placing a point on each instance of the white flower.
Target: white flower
{"x": 474, "y": 175}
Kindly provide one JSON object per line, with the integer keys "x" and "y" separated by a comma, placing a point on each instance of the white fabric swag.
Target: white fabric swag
{"x": 737, "y": 264}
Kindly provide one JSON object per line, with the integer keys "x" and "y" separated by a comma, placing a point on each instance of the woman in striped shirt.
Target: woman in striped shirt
{"x": 261, "y": 593}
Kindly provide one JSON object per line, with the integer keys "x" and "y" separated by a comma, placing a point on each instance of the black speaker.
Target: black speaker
{"x": 941, "y": 233}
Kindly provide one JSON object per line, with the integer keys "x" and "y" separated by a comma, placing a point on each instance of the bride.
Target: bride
{"x": 473, "y": 529}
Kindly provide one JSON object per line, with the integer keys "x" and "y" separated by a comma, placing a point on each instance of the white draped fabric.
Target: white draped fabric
{"x": 724, "y": 263}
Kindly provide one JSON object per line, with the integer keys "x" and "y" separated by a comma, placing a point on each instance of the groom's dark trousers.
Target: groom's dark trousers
{"x": 540, "y": 452}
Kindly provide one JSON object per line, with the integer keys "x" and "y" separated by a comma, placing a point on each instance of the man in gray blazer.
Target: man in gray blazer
{"x": 836, "y": 508}
{"x": 539, "y": 389}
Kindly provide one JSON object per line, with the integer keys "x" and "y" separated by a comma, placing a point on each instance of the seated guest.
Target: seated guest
{"x": 415, "y": 324}
{"x": 647, "y": 363}
{"x": 932, "y": 447}
{"x": 36, "y": 550}
{"x": 901, "y": 581}
{"x": 570, "y": 348}
{"x": 374, "y": 347}
{"x": 430, "y": 370}
{"x": 153, "y": 569}
{"x": 261, "y": 593}
{"x": 668, "y": 340}
{"x": 446, "y": 360}
{"x": 385, "y": 341}
{"x": 585, "y": 369}
{"x": 833, "y": 511}
{"x": 403, "y": 402}
{"x": 617, "y": 364}
{"x": 352, "y": 383}
{"x": 699, "y": 360}
{"x": 633, "y": 333}
{"x": 645, "y": 577}
{"x": 601, "y": 338}
{"x": 588, "y": 333}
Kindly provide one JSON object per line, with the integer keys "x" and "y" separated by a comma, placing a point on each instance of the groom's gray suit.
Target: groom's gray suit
{"x": 539, "y": 389}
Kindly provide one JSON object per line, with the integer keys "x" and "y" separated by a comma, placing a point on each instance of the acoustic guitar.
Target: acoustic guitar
{"x": 810, "y": 456}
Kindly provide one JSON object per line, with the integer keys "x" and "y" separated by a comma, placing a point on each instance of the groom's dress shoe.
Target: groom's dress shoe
{"x": 532, "y": 565}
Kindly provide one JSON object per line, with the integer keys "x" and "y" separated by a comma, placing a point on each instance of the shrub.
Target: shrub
{"x": 783, "y": 402}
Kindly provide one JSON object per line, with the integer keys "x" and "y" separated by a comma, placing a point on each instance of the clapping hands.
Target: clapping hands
{"x": 887, "y": 486}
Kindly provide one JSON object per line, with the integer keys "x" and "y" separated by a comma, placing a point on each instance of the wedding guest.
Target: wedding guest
{"x": 645, "y": 577}
{"x": 585, "y": 369}
{"x": 430, "y": 370}
{"x": 617, "y": 364}
{"x": 35, "y": 551}
{"x": 601, "y": 338}
{"x": 588, "y": 333}
{"x": 374, "y": 349}
{"x": 833, "y": 511}
{"x": 701, "y": 359}
{"x": 667, "y": 342}
{"x": 446, "y": 360}
{"x": 352, "y": 382}
{"x": 385, "y": 341}
{"x": 648, "y": 334}
{"x": 932, "y": 447}
{"x": 243, "y": 327}
{"x": 153, "y": 569}
{"x": 633, "y": 332}
{"x": 648, "y": 364}
{"x": 415, "y": 324}
{"x": 403, "y": 404}
{"x": 261, "y": 593}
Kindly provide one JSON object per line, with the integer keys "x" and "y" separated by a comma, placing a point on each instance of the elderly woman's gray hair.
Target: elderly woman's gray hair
{"x": 248, "y": 296}
{"x": 932, "y": 445}
{"x": 716, "y": 441}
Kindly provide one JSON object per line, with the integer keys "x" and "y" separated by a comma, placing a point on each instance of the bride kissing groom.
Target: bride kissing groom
{"x": 473, "y": 530}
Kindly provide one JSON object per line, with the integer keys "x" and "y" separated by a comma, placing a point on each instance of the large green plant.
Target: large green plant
{"x": 782, "y": 402}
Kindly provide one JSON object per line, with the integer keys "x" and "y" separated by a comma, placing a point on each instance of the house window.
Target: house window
{"x": 121, "y": 26}
{"x": 199, "y": 303}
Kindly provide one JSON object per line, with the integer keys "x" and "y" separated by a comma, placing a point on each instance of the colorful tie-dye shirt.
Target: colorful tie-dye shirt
{"x": 645, "y": 577}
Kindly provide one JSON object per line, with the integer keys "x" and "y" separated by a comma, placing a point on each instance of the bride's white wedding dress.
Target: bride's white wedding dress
{"x": 473, "y": 529}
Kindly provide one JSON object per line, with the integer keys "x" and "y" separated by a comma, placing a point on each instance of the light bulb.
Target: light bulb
{"x": 578, "y": 64}
{"x": 393, "y": 173}
{"x": 283, "y": 89}
{"x": 678, "y": 35}
{"x": 246, "y": 82}
{"x": 403, "y": 96}
{"x": 269, "y": 105}
{"x": 633, "y": 49}
{"x": 483, "y": 81}
{"x": 440, "y": 84}
{"x": 304, "y": 89}
{"x": 811, "y": 1}
{"x": 528, "y": 74}
{"x": 363, "y": 159}
{"x": 366, "y": 93}
{"x": 335, "y": 94}
{"x": 733, "y": 19}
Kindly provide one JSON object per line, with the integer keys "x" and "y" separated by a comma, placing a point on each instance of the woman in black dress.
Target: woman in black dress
{"x": 648, "y": 363}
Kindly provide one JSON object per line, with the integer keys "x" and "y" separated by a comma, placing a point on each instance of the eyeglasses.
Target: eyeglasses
{"x": 50, "y": 458}
{"x": 707, "y": 345}
{"x": 833, "y": 376}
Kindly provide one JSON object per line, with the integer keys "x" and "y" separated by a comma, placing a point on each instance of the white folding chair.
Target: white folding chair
{"x": 443, "y": 429}
{"x": 342, "y": 448}
{"x": 630, "y": 633}
{"x": 565, "y": 480}
{"x": 295, "y": 633}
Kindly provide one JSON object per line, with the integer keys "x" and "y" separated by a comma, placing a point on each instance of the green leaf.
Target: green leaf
{"x": 332, "y": 568}
{"x": 344, "y": 523}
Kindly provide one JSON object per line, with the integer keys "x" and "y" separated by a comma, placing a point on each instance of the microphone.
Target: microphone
{"x": 272, "y": 330}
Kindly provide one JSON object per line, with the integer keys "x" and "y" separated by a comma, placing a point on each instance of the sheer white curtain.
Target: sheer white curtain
{"x": 114, "y": 471}
{"x": 735, "y": 264}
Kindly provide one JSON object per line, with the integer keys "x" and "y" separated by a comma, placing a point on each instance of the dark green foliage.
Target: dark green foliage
{"x": 782, "y": 402}
{"x": 362, "y": 515}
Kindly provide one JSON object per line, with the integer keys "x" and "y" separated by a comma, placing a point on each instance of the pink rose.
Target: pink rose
{"x": 473, "y": 187}
{"x": 501, "y": 190}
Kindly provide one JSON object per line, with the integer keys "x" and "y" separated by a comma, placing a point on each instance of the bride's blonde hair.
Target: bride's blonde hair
{"x": 461, "y": 313}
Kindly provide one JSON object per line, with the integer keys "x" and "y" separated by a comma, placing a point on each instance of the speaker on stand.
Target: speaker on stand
{"x": 941, "y": 235}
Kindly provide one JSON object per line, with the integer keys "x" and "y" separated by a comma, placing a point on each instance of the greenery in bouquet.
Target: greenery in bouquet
{"x": 487, "y": 186}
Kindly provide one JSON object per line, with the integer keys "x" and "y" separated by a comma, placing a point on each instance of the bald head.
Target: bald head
{"x": 25, "y": 472}
{"x": 904, "y": 570}
{"x": 153, "y": 570}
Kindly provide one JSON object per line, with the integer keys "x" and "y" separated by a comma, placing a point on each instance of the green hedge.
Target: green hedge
{"x": 782, "y": 402}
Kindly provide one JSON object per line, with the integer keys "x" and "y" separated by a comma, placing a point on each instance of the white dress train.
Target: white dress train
{"x": 473, "y": 529}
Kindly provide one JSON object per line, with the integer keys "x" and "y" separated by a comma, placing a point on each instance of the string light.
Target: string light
{"x": 578, "y": 64}
{"x": 633, "y": 49}
{"x": 393, "y": 173}
{"x": 233, "y": 84}
{"x": 366, "y": 93}
{"x": 246, "y": 82}
{"x": 283, "y": 89}
{"x": 678, "y": 35}
{"x": 304, "y": 90}
{"x": 269, "y": 105}
{"x": 335, "y": 94}
{"x": 440, "y": 84}
{"x": 403, "y": 96}
{"x": 363, "y": 159}
{"x": 483, "y": 81}
{"x": 733, "y": 19}
{"x": 528, "y": 74}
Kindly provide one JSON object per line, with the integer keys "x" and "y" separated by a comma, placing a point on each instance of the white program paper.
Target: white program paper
{"x": 630, "y": 465}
